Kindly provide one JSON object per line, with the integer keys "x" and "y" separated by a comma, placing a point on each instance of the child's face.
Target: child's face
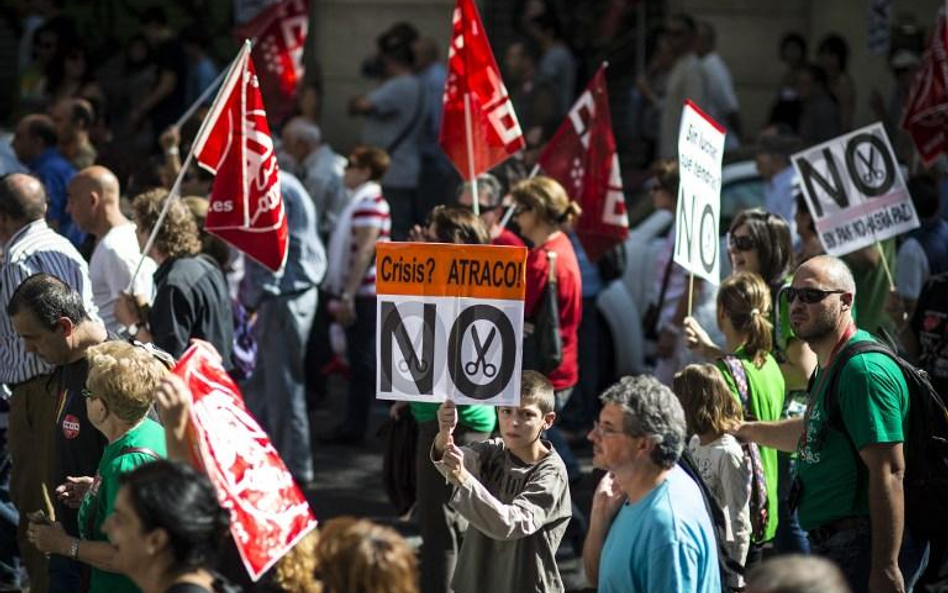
{"x": 521, "y": 426}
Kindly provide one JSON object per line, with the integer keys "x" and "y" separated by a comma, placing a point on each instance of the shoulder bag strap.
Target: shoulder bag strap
{"x": 740, "y": 379}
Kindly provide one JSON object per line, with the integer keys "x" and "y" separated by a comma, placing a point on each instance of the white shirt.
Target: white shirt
{"x": 111, "y": 267}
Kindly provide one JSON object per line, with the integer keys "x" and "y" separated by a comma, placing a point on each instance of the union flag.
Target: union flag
{"x": 926, "y": 110}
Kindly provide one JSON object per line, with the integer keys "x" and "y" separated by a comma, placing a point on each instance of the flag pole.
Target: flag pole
{"x": 885, "y": 266}
{"x": 691, "y": 291}
{"x": 469, "y": 136}
{"x": 204, "y": 95}
{"x": 176, "y": 188}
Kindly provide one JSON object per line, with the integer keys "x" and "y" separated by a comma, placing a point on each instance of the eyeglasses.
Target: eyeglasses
{"x": 521, "y": 208}
{"x": 599, "y": 431}
{"x": 741, "y": 242}
{"x": 809, "y": 296}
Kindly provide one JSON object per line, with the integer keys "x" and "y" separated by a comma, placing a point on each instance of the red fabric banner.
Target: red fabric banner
{"x": 279, "y": 36}
{"x": 582, "y": 157}
{"x": 926, "y": 110}
{"x": 268, "y": 512}
{"x": 246, "y": 208}
{"x": 490, "y": 129}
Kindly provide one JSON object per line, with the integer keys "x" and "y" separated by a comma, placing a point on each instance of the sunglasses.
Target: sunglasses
{"x": 809, "y": 296}
{"x": 521, "y": 208}
{"x": 741, "y": 242}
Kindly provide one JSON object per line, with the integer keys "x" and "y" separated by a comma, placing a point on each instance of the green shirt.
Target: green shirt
{"x": 873, "y": 400}
{"x": 477, "y": 418}
{"x": 872, "y": 290}
{"x": 765, "y": 395}
{"x": 100, "y": 499}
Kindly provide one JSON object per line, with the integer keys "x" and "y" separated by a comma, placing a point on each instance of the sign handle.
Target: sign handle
{"x": 885, "y": 266}
{"x": 691, "y": 291}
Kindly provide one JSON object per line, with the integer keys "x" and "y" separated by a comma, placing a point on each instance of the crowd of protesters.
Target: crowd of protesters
{"x": 721, "y": 469}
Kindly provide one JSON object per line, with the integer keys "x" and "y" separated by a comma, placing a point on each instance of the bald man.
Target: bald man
{"x": 30, "y": 246}
{"x": 849, "y": 473}
{"x": 93, "y": 202}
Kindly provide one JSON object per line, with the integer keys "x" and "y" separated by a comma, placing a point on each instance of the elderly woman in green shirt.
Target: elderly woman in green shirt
{"x": 119, "y": 393}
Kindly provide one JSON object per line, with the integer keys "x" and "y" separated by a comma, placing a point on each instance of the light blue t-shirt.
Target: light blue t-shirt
{"x": 664, "y": 542}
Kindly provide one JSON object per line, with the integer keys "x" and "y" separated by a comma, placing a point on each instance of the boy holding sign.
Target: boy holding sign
{"x": 515, "y": 493}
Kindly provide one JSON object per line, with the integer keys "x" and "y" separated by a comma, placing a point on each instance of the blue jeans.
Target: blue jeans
{"x": 790, "y": 537}
{"x": 851, "y": 550}
{"x": 276, "y": 391}
{"x": 360, "y": 346}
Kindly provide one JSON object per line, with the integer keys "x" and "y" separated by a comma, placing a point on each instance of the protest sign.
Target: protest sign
{"x": 268, "y": 512}
{"x": 697, "y": 215}
{"x": 854, "y": 190}
{"x": 450, "y": 322}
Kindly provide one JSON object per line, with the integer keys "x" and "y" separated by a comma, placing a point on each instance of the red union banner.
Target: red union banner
{"x": 478, "y": 126}
{"x": 279, "y": 33}
{"x": 582, "y": 157}
{"x": 926, "y": 110}
{"x": 268, "y": 511}
{"x": 234, "y": 143}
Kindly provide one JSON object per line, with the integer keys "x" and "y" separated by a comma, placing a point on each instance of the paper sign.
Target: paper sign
{"x": 450, "y": 322}
{"x": 697, "y": 215}
{"x": 855, "y": 191}
{"x": 268, "y": 512}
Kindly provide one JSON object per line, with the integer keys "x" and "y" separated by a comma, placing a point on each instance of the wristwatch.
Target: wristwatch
{"x": 74, "y": 549}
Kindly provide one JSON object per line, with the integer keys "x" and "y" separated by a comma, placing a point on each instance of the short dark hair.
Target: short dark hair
{"x": 794, "y": 38}
{"x": 925, "y": 198}
{"x": 458, "y": 225}
{"x": 835, "y": 44}
{"x": 179, "y": 499}
{"x": 43, "y": 127}
{"x": 537, "y": 389}
{"x": 49, "y": 299}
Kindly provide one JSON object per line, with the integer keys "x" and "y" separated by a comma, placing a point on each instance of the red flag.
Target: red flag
{"x": 269, "y": 513}
{"x": 489, "y": 132}
{"x": 234, "y": 144}
{"x": 926, "y": 110}
{"x": 582, "y": 157}
{"x": 279, "y": 34}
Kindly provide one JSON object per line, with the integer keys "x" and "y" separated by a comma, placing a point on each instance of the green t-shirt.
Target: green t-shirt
{"x": 101, "y": 497}
{"x": 765, "y": 395}
{"x": 874, "y": 401}
{"x": 872, "y": 290}
{"x": 477, "y": 418}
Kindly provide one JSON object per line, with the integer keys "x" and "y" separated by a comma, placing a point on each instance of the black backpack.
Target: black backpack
{"x": 925, "y": 484}
{"x": 726, "y": 565}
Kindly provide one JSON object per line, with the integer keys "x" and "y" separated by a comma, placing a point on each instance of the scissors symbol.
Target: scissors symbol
{"x": 471, "y": 366}
{"x": 872, "y": 173}
{"x": 405, "y": 365}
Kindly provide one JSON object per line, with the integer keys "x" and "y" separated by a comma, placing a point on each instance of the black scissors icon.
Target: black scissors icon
{"x": 405, "y": 365}
{"x": 872, "y": 173}
{"x": 471, "y": 366}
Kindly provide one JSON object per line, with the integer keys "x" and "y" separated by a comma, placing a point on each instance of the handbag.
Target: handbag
{"x": 398, "y": 462}
{"x": 543, "y": 344}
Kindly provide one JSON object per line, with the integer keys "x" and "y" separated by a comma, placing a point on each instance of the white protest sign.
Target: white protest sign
{"x": 854, "y": 190}
{"x": 450, "y": 322}
{"x": 697, "y": 216}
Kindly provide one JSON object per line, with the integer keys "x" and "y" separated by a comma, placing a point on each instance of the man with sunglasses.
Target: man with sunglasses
{"x": 491, "y": 209}
{"x": 848, "y": 488}
{"x": 53, "y": 324}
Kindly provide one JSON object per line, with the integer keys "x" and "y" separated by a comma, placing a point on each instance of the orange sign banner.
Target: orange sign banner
{"x": 448, "y": 270}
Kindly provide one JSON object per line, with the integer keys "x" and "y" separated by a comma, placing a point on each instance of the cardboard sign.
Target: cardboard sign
{"x": 854, "y": 190}
{"x": 268, "y": 512}
{"x": 697, "y": 215}
{"x": 450, "y": 322}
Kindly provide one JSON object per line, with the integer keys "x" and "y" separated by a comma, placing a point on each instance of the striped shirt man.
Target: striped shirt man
{"x": 33, "y": 249}
{"x": 371, "y": 212}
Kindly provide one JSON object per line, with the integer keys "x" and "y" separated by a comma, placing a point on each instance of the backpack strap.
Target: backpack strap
{"x": 739, "y": 374}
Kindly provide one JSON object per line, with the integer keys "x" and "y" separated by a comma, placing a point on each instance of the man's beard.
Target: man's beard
{"x": 823, "y": 326}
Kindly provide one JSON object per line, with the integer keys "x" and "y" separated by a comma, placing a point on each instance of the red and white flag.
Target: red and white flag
{"x": 279, "y": 36}
{"x": 582, "y": 157}
{"x": 268, "y": 512}
{"x": 926, "y": 110}
{"x": 478, "y": 126}
{"x": 234, "y": 143}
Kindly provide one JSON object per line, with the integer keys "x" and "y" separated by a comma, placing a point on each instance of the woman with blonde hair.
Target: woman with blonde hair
{"x": 710, "y": 409}
{"x": 119, "y": 393}
{"x": 542, "y": 210}
{"x": 359, "y": 556}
